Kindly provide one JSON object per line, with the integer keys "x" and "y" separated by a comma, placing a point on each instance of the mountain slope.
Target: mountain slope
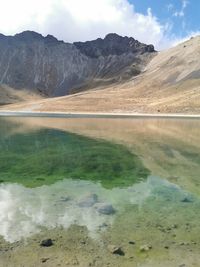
{"x": 169, "y": 84}
{"x": 10, "y": 96}
{"x": 54, "y": 68}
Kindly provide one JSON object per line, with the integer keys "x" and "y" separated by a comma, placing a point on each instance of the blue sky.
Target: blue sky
{"x": 182, "y": 16}
{"x": 163, "y": 23}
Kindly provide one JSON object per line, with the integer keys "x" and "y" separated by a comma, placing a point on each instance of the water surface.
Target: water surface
{"x": 57, "y": 174}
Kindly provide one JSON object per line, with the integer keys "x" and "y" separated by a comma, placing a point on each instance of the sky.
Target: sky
{"x": 163, "y": 23}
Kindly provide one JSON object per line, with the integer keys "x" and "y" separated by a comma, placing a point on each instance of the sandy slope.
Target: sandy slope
{"x": 170, "y": 84}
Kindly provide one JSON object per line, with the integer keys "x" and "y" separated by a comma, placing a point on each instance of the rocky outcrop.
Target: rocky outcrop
{"x": 113, "y": 44}
{"x": 30, "y": 61}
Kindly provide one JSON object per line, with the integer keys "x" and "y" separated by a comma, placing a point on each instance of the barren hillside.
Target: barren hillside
{"x": 169, "y": 84}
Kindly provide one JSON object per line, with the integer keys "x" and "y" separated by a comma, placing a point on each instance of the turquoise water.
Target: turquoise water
{"x": 122, "y": 180}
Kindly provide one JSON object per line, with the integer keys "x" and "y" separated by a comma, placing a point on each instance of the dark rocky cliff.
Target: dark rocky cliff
{"x": 113, "y": 44}
{"x": 29, "y": 60}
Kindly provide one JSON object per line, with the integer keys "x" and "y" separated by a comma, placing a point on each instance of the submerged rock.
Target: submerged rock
{"x": 64, "y": 199}
{"x": 116, "y": 250}
{"x": 103, "y": 226}
{"x": 184, "y": 243}
{"x": 186, "y": 200}
{"x": 88, "y": 201}
{"x": 131, "y": 242}
{"x": 46, "y": 243}
{"x": 144, "y": 248}
{"x": 175, "y": 226}
{"x": 44, "y": 260}
{"x": 104, "y": 208}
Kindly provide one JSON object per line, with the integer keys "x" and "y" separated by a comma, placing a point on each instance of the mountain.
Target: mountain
{"x": 167, "y": 81}
{"x": 55, "y": 68}
{"x": 170, "y": 83}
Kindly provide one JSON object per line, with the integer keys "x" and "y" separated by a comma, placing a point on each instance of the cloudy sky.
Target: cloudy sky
{"x": 162, "y": 23}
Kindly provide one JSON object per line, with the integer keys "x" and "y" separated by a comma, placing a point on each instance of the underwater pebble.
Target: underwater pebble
{"x": 186, "y": 200}
{"x": 75, "y": 261}
{"x": 104, "y": 208}
{"x": 116, "y": 250}
{"x": 64, "y": 199}
{"x": 144, "y": 248}
{"x": 44, "y": 260}
{"x": 103, "y": 226}
{"x": 88, "y": 201}
{"x": 184, "y": 244}
{"x": 46, "y": 243}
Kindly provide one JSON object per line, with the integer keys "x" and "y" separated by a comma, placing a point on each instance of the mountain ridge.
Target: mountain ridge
{"x": 31, "y": 61}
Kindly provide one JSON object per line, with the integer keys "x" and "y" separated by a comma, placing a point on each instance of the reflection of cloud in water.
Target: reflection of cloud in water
{"x": 23, "y": 211}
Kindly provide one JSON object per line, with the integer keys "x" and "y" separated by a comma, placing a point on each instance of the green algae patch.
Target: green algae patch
{"x": 46, "y": 156}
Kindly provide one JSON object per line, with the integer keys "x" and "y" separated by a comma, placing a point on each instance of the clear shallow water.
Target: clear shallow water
{"x": 60, "y": 205}
{"x": 56, "y": 172}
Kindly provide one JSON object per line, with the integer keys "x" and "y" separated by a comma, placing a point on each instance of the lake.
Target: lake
{"x": 106, "y": 192}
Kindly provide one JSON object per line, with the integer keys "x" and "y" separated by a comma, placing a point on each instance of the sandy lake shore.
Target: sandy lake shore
{"x": 95, "y": 114}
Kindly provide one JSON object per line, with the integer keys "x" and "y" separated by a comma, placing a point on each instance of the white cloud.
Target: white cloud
{"x": 78, "y": 20}
{"x": 185, "y": 3}
{"x": 75, "y": 20}
{"x": 181, "y": 13}
{"x": 170, "y": 7}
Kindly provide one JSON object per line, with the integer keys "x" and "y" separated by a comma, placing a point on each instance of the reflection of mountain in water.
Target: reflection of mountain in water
{"x": 23, "y": 211}
{"x": 48, "y": 155}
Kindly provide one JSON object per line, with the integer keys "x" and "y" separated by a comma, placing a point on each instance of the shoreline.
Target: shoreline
{"x": 55, "y": 114}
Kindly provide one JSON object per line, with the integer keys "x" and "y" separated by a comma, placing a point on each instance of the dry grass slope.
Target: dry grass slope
{"x": 10, "y": 96}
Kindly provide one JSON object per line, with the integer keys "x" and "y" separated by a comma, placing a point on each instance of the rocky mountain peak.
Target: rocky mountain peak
{"x": 28, "y": 36}
{"x": 113, "y": 44}
{"x": 51, "y": 39}
{"x": 113, "y": 37}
